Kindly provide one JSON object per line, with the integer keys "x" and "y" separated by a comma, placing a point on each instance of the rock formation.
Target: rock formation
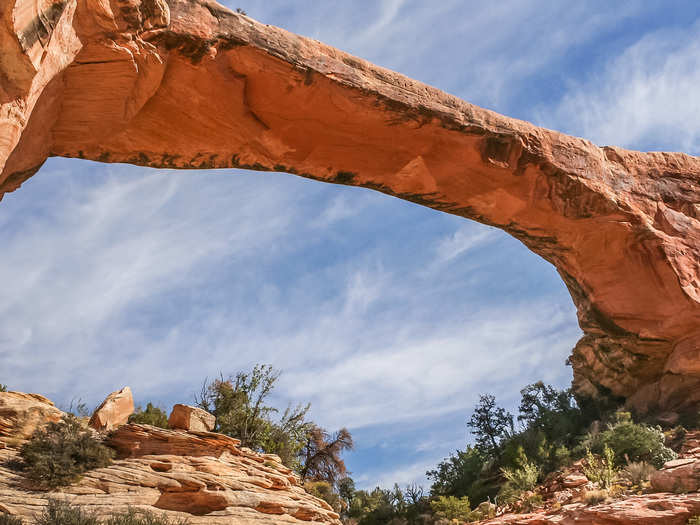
{"x": 22, "y": 414}
{"x": 207, "y": 478}
{"x": 189, "y": 84}
{"x": 114, "y": 410}
{"x": 186, "y": 417}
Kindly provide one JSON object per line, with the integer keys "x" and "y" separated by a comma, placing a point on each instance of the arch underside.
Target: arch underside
{"x": 189, "y": 84}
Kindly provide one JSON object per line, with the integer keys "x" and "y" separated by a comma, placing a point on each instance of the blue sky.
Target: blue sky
{"x": 388, "y": 317}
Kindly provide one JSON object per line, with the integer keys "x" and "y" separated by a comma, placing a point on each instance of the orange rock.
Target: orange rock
{"x": 189, "y": 84}
{"x": 204, "y": 477}
{"x": 191, "y": 418}
{"x": 22, "y": 414}
{"x": 114, "y": 411}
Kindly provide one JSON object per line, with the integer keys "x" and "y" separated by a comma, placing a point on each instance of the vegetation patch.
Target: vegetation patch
{"x": 153, "y": 416}
{"x": 6, "y": 519}
{"x": 59, "y": 512}
{"x": 60, "y": 453}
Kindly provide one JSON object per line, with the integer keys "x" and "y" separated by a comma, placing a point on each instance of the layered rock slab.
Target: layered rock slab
{"x": 206, "y": 477}
{"x": 189, "y": 84}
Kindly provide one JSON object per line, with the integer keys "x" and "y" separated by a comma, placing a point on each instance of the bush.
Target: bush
{"x": 63, "y": 513}
{"x": 151, "y": 416}
{"x": 518, "y": 480}
{"x": 632, "y": 441}
{"x": 60, "y": 453}
{"x": 142, "y": 517}
{"x": 637, "y": 473}
{"x": 451, "y": 508}
{"x": 601, "y": 470}
{"x": 6, "y": 519}
{"x": 3, "y": 388}
{"x": 593, "y": 497}
{"x": 323, "y": 490}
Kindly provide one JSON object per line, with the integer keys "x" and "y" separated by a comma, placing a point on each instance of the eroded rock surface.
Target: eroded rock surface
{"x": 189, "y": 84}
{"x": 22, "y": 414}
{"x": 207, "y": 478}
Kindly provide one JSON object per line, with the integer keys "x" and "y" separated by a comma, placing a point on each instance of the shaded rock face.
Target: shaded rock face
{"x": 189, "y": 84}
{"x": 204, "y": 477}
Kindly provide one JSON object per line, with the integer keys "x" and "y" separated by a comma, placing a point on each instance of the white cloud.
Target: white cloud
{"x": 645, "y": 98}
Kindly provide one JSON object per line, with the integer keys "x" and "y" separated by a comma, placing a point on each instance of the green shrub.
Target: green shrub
{"x": 60, "y": 453}
{"x": 6, "y": 519}
{"x": 3, "y": 388}
{"x": 142, "y": 517}
{"x": 632, "y": 441}
{"x": 151, "y": 416}
{"x": 518, "y": 480}
{"x": 451, "y": 508}
{"x": 323, "y": 490}
{"x": 601, "y": 470}
{"x": 59, "y": 512}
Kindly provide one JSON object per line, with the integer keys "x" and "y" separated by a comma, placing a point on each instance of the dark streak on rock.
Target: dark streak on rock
{"x": 41, "y": 27}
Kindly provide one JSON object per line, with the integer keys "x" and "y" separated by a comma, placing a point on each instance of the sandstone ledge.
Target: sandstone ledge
{"x": 203, "y": 476}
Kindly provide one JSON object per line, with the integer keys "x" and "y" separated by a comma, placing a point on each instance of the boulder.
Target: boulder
{"x": 679, "y": 475}
{"x": 114, "y": 411}
{"x": 22, "y": 414}
{"x": 187, "y": 417}
{"x": 574, "y": 480}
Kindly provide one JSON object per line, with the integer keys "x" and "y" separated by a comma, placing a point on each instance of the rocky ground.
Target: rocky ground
{"x": 203, "y": 476}
{"x": 671, "y": 498}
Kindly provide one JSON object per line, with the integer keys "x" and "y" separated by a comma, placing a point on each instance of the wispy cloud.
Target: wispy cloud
{"x": 647, "y": 97}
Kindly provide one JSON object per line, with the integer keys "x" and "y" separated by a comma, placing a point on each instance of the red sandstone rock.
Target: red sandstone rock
{"x": 114, "y": 411}
{"x": 191, "y": 418}
{"x": 189, "y": 84}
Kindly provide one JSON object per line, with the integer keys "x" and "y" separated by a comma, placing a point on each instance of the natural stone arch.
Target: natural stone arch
{"x": 189, "y": 84}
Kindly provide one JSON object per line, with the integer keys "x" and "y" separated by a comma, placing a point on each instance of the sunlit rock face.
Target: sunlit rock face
{"x": 201, "y": 477}
{"x": 189, "y": 84}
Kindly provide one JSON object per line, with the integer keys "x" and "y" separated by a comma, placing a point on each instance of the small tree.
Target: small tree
{"x": 3, "y": 388}
{"x": 601, "y": 470}
{"x": 240, "y": 406}
{"x": 490, "y": 425}
{"x": 321, "y": 455}
{"x": 346, "y": 490}
{"x": 153, "y": 415}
